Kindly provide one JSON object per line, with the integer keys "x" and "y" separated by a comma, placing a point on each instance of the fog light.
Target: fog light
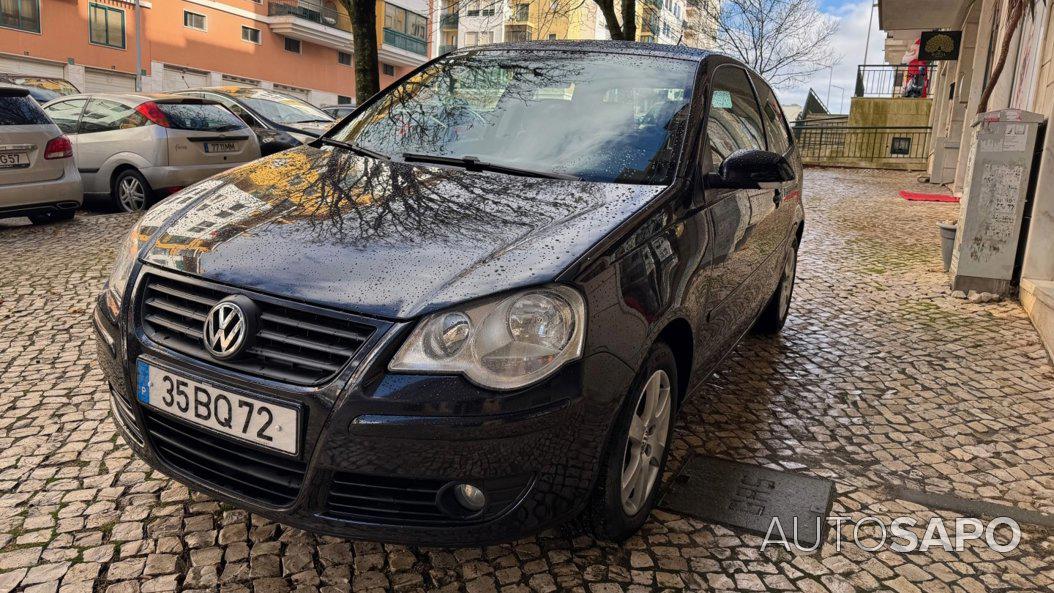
{"x": 470, "y": 497}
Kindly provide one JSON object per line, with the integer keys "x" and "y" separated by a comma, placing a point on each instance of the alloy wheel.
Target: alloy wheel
{"x": 646, "y": 443}
{"x": 132, "y": 194}
{"x": 787, "y": 285}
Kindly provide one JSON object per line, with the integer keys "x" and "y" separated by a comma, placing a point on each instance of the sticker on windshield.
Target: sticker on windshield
{"x": 721, "y": 100}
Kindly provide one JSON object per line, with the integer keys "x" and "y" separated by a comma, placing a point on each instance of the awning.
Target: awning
{"x": 898, "y": 15}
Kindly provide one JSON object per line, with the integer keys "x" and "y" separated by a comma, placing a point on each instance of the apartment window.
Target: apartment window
{"x": 193, "y": 20}
{"x": 552, "y": 37}
{"x": 522, "y": 13}
{"x": 473, "y": 8}
{"x": 344, "y": 58}
{"x": 400, "y": 20}
{"x": 388, "y": 69}
{"x": 342, "y": 100}
{"x": 486, "y": 37}
{"x": 292, "y": 45}
{"x": 20, "y": 14}
{"x": 105, "y": 25}
{"x": 471, "y": 38}
{"x": 251, "y": 35}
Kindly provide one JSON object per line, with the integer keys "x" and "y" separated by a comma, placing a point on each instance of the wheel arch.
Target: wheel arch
{"x": 678, "y": 335}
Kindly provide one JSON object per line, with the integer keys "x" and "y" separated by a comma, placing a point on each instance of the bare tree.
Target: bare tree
{"x": 363, "y": 15}
{"x": 1014, "y": 13}
{"x": 786, "y": 41}
{"x": 627, "y": 30}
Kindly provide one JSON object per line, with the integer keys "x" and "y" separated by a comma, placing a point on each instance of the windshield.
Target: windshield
{"x": 597, "y": 116}
{"x": 282, "y": 108}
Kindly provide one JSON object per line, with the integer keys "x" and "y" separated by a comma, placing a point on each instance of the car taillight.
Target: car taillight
{"x": 58, "y": 148}
{"x": 150, "y": 111}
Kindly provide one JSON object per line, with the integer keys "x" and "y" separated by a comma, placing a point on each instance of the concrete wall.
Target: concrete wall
{"x": 890, "y": 112}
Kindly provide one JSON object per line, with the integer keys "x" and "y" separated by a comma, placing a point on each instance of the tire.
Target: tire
{"x": 130, "y": 192}
{"x": 614, "y": 514}
{"x": 53, "y": 216}
{"x": 774, "y": 317}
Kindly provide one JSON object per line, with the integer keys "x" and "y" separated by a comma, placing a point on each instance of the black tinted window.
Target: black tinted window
{"x": 192, "y": 116}
{"x": 66, "y": 114}
{"x": 779, "y": 140}
{"x": 601, "y": 117}
{"x": 104, "y": 116}
{"x": 735, "y": 122}
{"x": 21, "y": 111}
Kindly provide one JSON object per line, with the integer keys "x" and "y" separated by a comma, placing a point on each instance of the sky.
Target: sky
{"x": 849, "y": 42}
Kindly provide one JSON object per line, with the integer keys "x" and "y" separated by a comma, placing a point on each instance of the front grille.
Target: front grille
{"x": 225, "y": 463}
{"x": 292, "y": 345}
{"x": 410, "y": 501}
{"x": 126, "y": 416}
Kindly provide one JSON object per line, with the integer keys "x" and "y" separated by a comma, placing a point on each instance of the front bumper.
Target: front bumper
{"x": 378, "y": 435}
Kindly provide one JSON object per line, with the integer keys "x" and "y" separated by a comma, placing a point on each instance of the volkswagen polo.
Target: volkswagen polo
{"x": 473, "y": 308}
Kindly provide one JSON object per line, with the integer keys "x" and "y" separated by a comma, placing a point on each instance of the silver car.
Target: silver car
{"x": 37, "y": 176}
{"x": 137, "y": 147}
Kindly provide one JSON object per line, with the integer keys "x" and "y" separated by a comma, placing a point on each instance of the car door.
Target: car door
{"x": 780, "y": 141}
{"x": 741, "y": 219}
{"x": 110, "y": 128}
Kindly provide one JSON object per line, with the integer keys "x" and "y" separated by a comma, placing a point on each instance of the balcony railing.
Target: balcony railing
{"x": 889, "y": 81}
{"x": 316, "y": 12}
{"x": 834, "y": 142}
{"x": 445, "y": 48}
{"x": 405, "y": 42}
{"x": 448, "y": 20}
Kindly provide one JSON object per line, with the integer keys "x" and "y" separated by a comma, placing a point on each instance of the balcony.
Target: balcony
{"x": 405, "y": 42}
{"x": 310, "y": 21}
{"x": 888, "y": 81}
{"x": 447, "y": 48}
{"x": 448, "y": 20}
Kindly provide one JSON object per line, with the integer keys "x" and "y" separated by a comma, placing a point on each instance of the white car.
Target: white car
{"x": 137, "y": 147}
{"x": 37, "y": 176}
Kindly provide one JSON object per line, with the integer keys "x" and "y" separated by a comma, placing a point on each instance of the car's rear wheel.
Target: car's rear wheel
{"x": 774, "y": 317}
{"x": 130, "y": 192}
{"x": 631, "y": 473}
{"x": 53, "y": 216}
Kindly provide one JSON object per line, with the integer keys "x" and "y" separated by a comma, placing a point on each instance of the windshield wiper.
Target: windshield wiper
{"x": 471, "y": 163}
{"x": 355, "y": 148}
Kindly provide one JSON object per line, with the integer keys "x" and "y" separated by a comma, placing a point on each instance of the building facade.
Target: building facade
{"x": 302, "y": 47}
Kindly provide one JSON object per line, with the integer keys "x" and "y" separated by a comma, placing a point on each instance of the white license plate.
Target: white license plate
{"x": 246, "y": 418}
{"x": 211, "y": 147}
{"x": 14, "y": 160}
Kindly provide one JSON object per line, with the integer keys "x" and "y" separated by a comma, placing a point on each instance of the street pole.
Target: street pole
{"x": 829, "y": 81}
{"x": 870, "y": 21}
{"x": 138, "y": 47}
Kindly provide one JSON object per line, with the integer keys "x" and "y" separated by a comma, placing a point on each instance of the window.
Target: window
{"x": 344, "y": 58}
{"x": 66, "y": 114}
{"x": 105, "y": 25}
{"x": 471, "y": 38}
{"x": 486, "y": 37}
{"x": 388, "y": 69}
{"x": 522, "y": 12}
{"x": 20, "y": 14}
{"x": 403, "y": 21}
{"x": 292, "y": 45}
{"x": 193, "y": 20}
{"x": 552, "y": 37}
{"x": 251, "y": 35}
{"x": 102, "y": 115}
{"x": 473, "y": 8}
{"x": 901, "y": 146}
{"x": 342, "y": 100}
{"x": 735, "y": 122}
{"x": 779, "y": 138}
{"x": 21, "y": 110}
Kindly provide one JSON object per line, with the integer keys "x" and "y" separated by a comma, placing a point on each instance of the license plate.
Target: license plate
{"x": 212, "y": 147}
{"x": 245, "y": 418}
{"x": 14, "y": 160}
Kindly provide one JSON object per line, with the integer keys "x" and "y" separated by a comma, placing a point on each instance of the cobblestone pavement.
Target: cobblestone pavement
{"x": 881, "y": 382}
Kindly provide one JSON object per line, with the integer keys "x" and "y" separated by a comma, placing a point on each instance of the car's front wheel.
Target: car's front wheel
{"x": 130, "y": 192}
{"x": 631, "y": 473}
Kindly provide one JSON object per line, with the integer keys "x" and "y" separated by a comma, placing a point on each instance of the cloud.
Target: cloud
{"x": 852, "y": 17}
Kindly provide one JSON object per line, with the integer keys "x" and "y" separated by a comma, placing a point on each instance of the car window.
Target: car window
{"x": 200, "y": 116}
{"x": 597, "y": 116}
{"x": 282, "y": 108}
{"x": 735, "y": 122}
{"x": 103, "y": 115}
{"x": 775, "y": 124}
{"x": 66, "y": 114}
{"x": 45, "y": 89}
{"x": 21, "y": 111}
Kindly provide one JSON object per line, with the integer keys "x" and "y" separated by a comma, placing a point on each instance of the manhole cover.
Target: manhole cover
{"x": 748, "y": 497}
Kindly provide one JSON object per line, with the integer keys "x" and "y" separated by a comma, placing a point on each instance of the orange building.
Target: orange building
{"x": 302, "y": 47}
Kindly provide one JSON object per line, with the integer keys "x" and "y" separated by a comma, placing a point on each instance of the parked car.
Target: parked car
{"x": 339, "y": 111}
{"x": 136, "y": 147}
{"x": 37, "y": 176}
{"x": 471, "y": 311}
{"x": 281, "y": 121}
{"x": 41, "y": 88}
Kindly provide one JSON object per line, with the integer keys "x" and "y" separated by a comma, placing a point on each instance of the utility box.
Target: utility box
{"x": 1002, "y": 149}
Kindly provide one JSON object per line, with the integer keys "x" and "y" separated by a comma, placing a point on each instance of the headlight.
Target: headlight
{"x": 125, "y": 261}
{"x": 505, "y": 343}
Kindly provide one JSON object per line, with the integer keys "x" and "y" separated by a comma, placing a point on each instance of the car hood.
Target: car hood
{"x": 389, "y": 239}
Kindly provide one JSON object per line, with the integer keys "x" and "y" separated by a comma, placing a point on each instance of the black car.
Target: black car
{"x": 281, "y": 121}
{"x": 472, "y": 310}
{"x": 339, "y": 111}
{"x": 41, "y": 88}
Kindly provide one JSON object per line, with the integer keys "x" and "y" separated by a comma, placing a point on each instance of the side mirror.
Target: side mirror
{"x": 751, "y": 169}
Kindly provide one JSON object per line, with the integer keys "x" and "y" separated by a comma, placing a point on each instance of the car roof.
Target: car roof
{"x": 13, "y": 90}
{"x": 130, "y": 98}
{"x": 602, "y": 46}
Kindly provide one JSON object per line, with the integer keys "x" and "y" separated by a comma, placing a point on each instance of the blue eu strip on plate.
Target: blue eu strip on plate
{"x": 142, "y": 391}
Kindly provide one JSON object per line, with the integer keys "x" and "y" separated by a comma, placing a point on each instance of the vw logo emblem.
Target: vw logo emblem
{"x": 228, "y": 327}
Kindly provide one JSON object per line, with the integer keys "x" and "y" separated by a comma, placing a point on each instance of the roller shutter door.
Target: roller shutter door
{"x": 108, "y": 81}
{"x": 178, "y": 79}
{"x": 239, "y": 81}
{"x": 292, "y": 90}
{"x": 16, "y": 65}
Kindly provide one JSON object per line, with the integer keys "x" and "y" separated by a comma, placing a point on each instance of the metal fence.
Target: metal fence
{"x": 838, "y": 143}
{"x": 888, "y": 81}
{"x": 323, "y": 13}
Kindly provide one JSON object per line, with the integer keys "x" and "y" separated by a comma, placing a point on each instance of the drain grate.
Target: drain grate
{"x": 748, "y": 497}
